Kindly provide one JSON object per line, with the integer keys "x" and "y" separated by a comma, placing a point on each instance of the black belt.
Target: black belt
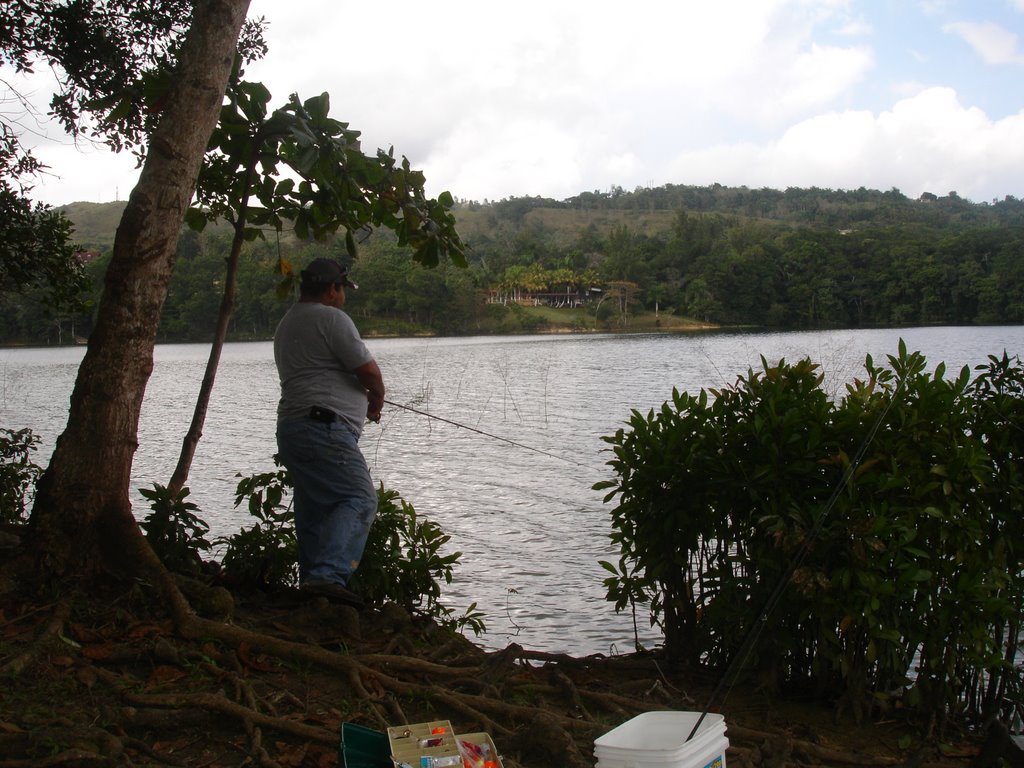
{"x": 325, "y": 415}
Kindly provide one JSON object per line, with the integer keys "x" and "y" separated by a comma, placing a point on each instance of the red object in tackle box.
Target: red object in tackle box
{"x": 436, "y": 745}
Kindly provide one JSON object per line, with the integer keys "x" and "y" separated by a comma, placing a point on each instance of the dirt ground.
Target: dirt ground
{"x": 104, "y": 680}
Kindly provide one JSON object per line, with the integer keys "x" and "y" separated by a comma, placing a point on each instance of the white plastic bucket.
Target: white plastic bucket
{"x": 658, "y": 740}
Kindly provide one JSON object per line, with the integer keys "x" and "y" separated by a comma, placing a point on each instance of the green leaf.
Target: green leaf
{"x": 121, "y": 110}
{"x": 196, "y": 219}
{"x": 428, "y": 254}
{"x": 256, "y": 91}
{"x": 318, "y": 106}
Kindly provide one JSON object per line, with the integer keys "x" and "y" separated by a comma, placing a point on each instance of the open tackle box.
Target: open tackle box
{"x": 436, "y": 745}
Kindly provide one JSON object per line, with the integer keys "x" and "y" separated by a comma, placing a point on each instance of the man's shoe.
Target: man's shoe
{"x": 333, "y": 592}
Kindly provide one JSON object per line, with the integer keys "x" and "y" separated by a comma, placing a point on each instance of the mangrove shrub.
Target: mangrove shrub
{"x": 868, "y": 549}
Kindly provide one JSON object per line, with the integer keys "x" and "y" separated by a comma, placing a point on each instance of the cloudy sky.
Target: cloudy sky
{"x": 554, "y": 97}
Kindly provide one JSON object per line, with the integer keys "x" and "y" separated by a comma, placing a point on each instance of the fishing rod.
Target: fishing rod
{"x": 485, "y": 434}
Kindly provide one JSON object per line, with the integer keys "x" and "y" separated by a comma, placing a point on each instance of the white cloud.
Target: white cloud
{"x": 857, "y": 28}
{"x": 935, "y": 7}
{"x": 83, "y": 173}
{"x": 822, "y": 74}
{"x": 928, "y": 143}
{"x": 83, "y": 170}
{"x": 906, "y": 88}
{"x": 529, "y": 150}
{"x": 537, "y": 97}
{"x": 994, "y": 44}
{"x": 549, "y": 98}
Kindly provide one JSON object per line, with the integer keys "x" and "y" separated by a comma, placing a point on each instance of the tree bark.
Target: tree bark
{"x": 82, "y": 519}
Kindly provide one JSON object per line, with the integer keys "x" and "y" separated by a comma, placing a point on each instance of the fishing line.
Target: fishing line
{"x": 732, "y": 671}
{"x": 485, "y": 434}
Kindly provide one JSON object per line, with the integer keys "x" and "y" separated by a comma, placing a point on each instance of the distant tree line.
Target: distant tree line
{"x": 783, "y": 259}
{"x": 789, "y": 259}
{"x": 812, "y": 206}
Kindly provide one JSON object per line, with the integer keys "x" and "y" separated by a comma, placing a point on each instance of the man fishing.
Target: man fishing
{"x": 330, "y": 385}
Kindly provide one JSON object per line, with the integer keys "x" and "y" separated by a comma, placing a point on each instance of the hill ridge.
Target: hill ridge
{"x": 653, "y": 210}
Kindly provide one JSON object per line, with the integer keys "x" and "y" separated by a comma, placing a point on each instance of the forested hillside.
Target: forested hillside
{"x": 799, "y": 258}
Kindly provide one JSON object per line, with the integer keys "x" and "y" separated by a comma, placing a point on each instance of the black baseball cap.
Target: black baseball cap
{"x": 325, "y": 271}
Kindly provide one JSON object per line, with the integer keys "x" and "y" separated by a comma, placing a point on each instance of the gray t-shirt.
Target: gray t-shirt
{"x": 316, "y": 348}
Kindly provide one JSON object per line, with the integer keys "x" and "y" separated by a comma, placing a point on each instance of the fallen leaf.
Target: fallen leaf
{"x": 84, "y": 634}
{"x": 101, "y": 652}
{"x": 168, "y": 747}
{"x": 144, "y": 630}
{"x": 294, "y": 757}
{"x": 87, "y": 676}
{"x": 164, "y": 674}
{"x": 246, "y": 657}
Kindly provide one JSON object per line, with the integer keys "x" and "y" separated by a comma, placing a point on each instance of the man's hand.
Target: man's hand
{"x": 373, "y": 408}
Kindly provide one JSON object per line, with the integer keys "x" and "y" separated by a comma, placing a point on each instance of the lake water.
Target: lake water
{"x": 528, "y": 523}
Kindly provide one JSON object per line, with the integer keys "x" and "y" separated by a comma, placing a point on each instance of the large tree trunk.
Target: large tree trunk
{"x": 82, "y": 519}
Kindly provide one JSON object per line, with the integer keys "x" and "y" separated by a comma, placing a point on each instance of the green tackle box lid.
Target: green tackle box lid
{"x": 363, "y": 747}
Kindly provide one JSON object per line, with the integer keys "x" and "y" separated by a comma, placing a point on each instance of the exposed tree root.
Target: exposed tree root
{"x": 200, "y": 691}
{"x": 85, "y": 745}
{"x": 222, "y": 706}
{"x": 805, "y": 751}
{"x": 50, "y": 631}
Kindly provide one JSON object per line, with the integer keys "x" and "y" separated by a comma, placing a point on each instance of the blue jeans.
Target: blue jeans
{"x": 335, "y": 499}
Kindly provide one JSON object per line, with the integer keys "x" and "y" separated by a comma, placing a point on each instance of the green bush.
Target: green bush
{"x": 869, "y": 549}
{"x": 18, "y": 474}
{"x": 173, "y": 529}
{"x": 403, "y": 561}
{"x": 265, "y": 554}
